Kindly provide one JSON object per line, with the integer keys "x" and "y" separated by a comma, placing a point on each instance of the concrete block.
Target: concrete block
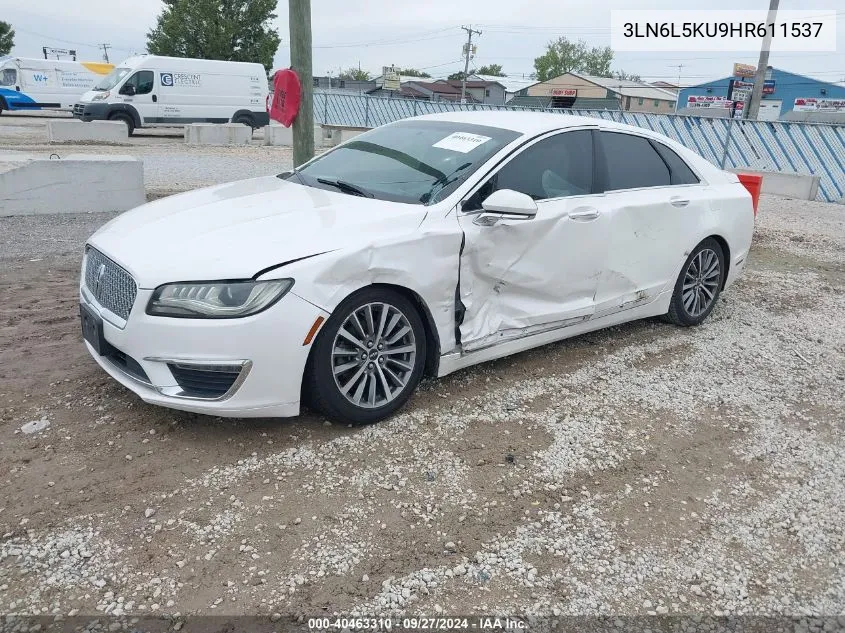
{"x": 346, "y": 134}
{"x": 786, "y": 184}
{"x": 75, "y": 131}
{"x": 283, "y": 136}
{"x": 218, "y": 134}
{"x": 337, "y": 134}
{"x": 78, "y": 183}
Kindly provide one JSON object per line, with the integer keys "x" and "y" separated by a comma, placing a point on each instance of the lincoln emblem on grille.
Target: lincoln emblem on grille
{"x": 100, "y": 272}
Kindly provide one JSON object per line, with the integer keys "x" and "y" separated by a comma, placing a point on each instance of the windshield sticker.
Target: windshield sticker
{"x": 463, "y": 142}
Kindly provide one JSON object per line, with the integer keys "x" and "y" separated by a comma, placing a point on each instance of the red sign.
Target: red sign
{"x": 286, "y": 96}
{"x": 564, "y": 92}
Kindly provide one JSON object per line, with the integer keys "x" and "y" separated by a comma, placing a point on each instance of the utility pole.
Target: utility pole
{"x": 467, "y": 53}
{"x": 299, "y": 18}
{"x": 105, "y": 48}
{"x": 762, "y": 65}
{"x": 680, "y": 66}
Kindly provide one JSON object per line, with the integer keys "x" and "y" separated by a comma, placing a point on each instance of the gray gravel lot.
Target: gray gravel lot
{"x": 644, "y": 469}
{"x": 170, "y": 166}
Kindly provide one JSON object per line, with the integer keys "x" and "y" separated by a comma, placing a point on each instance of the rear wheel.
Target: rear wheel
{"x": 3, "y": 105}
{"x": 369, "y": 357}
{"x": 124, "y": 118}
{"x": 699, "y": 284}
{"x": 245, "y": 119}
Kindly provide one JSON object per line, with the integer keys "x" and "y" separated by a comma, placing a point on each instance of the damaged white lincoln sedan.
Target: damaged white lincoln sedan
{"x": 421, "y": 247}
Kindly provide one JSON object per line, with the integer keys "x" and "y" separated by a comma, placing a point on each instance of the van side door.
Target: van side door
{"x": 140, "y": 91}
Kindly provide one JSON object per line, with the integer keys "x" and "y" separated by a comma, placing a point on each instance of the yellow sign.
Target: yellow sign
{"x": 744, "y": 70}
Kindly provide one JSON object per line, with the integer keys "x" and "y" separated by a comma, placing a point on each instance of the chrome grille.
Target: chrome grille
{"x": 111, "y": 285}
{"x": 78, "y": 109}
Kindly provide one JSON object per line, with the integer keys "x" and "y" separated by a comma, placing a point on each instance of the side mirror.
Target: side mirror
{"x": 510, "y": 202}
{"x": 128, "y": 89}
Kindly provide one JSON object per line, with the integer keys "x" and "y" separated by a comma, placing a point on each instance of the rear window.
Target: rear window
{"x": 681, "y": 174}
{"x": 630, "y": 162}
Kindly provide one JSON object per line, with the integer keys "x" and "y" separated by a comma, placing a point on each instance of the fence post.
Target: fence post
{"x": 727, "y": 143}
{"x": 415, "y": 107}
{"x": 367, "y": 112}
{"x": 325, "y": 108}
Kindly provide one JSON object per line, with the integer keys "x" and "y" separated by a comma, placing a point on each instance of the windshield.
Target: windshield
{"x": 8, "y": 77}
{"x": 112, "y": 79}
{"x": 419, "y": 162}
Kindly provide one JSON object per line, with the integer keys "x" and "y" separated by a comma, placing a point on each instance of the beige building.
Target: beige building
{"x": 632, "y": 96}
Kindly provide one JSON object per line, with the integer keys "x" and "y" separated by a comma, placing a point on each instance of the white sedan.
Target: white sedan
{"x": 421, "y": 247}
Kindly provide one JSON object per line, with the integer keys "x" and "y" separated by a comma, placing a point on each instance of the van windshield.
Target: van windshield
{"x": 416, "y": 161}
{"x": 8, "y": 77}
{"x": 112, "y": 79}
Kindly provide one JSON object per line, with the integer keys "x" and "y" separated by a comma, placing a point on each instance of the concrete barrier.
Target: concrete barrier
{"x": 74, "y": 131}
{"x": 337, "y": 134}
{"x": 78, "y": 183}
{"x": 279, "y": 135}
{"x": 788, "y": 185}
{"x": 218, "y": 134}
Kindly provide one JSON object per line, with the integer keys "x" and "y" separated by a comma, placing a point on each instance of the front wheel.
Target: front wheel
{"x": 369, "y": 357}
{"x": 699, "y": 284}
{"x": 126, "y": 119}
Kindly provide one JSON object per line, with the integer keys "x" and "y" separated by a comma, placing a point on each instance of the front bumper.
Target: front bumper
{"x": 90, "y": 111}
{"x": 268, "y": 346}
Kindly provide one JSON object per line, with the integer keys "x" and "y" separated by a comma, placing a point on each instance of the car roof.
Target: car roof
{"x": 529, "y": 123}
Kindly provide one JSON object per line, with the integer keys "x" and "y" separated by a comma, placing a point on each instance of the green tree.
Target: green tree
{"x": 563, "y": 56}
{"x": 494, "y": 70}
{"x": 621, "y": 74}
{"x": 232, "y": 30}
{"x": 7, "y": 38}
{"x": 491, "y": 69}
{"x": 413, "y": 72}
{"x": 355, "y": 74}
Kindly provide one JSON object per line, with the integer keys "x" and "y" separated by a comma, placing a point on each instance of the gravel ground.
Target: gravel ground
{"x": 644, "y": 469}
{"x": 170, "y": 166}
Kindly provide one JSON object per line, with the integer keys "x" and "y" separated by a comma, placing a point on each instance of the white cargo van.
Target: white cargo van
{"x": 153, "y": 91}
{"x": 35, "y": 84}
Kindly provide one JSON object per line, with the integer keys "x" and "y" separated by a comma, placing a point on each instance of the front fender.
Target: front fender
{"x": 425, "y": 262}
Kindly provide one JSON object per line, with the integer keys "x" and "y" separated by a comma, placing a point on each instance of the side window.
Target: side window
{"x": 143, "y": 82}
{"x": 559, "y": 166}
{"x": 9, "y": 77}
{"x": 680, "y": 171}
{"x": 630, "y": 162}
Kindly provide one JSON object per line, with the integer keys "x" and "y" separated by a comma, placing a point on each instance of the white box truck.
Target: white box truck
{"x": 156, "y": 91}
{"x": 35, "y": 84}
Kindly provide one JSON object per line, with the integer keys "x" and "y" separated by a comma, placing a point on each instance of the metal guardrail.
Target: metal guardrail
{"x": 803, "y": 148}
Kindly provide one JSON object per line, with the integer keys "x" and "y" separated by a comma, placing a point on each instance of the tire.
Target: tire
{"x": 125, "y": 118}
{"x": 3, "y": 105}
{"x": 699, "y": 285}
{"x": 245, "y": 119}
{"x": 354, "y": 390}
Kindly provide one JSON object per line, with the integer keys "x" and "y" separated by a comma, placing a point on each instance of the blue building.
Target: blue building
{"x": 780, "y": 93}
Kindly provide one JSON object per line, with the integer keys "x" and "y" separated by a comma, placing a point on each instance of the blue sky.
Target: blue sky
{"x": 418, "y": 34}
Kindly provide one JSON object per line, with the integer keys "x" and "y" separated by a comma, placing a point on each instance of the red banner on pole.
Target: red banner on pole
{"x": 287, "y": 92}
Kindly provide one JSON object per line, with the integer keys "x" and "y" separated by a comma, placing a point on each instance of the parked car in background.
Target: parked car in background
{"x": 155, "y": 91}
{"x": 36, "y": 84}
{"x": 423, "y": 246}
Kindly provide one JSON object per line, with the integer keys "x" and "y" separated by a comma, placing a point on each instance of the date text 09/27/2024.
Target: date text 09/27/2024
{"x": 475, "y": 623}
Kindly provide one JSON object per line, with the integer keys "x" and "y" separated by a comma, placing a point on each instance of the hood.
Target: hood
{"x": 88, "y": 96}
{"x": 233, "y": 231}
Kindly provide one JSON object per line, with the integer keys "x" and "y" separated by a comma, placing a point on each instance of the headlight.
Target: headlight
{"x": 216, "y": 299}
{"x": 101, "y": 95}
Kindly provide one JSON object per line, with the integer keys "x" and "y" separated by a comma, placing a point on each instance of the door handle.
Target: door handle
{"x": 678, "y": 202}
{"x": 584, "y": 214}
{"x": 155, "y": 98}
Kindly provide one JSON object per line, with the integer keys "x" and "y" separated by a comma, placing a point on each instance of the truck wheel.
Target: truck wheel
{"x": 124, "y": 118}
{"x": 2, "y": 105}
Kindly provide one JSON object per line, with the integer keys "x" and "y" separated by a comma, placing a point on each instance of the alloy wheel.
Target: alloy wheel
{"x": 373, "y": 355}
{"x": 701, "y": 282}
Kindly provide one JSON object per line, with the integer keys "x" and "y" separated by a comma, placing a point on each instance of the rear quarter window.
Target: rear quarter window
{"x": 680, "y": 172}
{"x": 630, "y": 162}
